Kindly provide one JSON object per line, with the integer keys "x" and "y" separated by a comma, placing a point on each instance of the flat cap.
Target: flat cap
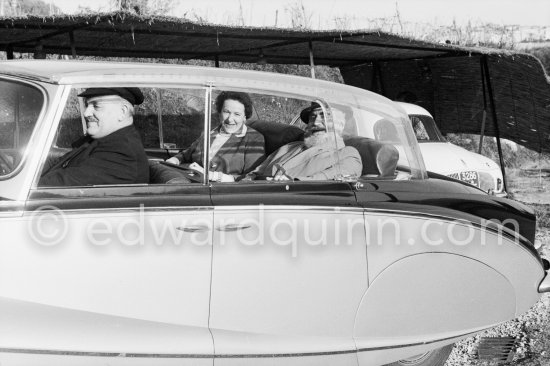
{"x": 132, "y": 95}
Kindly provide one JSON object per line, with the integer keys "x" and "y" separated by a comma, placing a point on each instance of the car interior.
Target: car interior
{"x": 171, "y": 119}
{"x": 379, "y": 158}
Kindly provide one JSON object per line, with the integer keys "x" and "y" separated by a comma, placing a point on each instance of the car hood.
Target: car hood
{"x": 446, "y": 158}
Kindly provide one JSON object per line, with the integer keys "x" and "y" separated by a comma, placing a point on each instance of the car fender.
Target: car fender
{"x": 451, "y": 295}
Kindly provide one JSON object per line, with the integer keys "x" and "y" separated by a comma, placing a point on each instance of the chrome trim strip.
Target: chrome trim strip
{"x": 101, "y": 354}
{"x": 206, "y": 131}
{"x": 280, "y": 355}
{"x": 191, "y": 355}
{"x": 167, "y": 355}
{"x": 418, "y": 343}
{"x": 11, "y": 214}
{"x": 122, "y": 210}
{"x": 333, "y": 209}
{"x": 289, "y": 208}
{"x": 414, "y": 214}
{"x": 509, "y": 234}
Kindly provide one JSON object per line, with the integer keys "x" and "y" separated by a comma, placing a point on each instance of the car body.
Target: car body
{"x": 440, "y": 156}
{"x": 358, "y": 270}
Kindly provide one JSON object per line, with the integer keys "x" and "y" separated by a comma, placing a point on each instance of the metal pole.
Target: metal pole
{"x": 495, "y": 121}
{"x": 311, "y": 64}
{"x": 206, "y": 132}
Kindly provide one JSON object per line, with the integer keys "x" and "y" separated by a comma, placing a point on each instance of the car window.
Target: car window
{"x": 167, "y": 121}
{"x": 170, "y": 118}
{"x": 291, "y": 154}
{"x": 71, "y": 126}
{"x": 171, "y": 123}
{"x": 425, "y": 129}
{"x": 278, "y": 109}
{"x": 419, "y": 129}
{"x": 20, "y": 106}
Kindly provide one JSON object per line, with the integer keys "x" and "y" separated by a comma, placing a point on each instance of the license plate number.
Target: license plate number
{"x": 470, "y": 177}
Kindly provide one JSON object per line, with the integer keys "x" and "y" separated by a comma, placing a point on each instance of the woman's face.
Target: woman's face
{"x": 232, "y": 116}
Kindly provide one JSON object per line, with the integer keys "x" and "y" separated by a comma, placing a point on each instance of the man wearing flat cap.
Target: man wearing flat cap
{"x": 111, "y": 152}
{"x": 321, "y": 156}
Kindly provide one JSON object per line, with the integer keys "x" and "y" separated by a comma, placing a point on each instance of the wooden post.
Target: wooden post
{"x": 495, "y": 121}
{"x": 311, "y": 64}
{"x": 377, "y": 84}
{"x": 373, "y": 79}
{"x": 73, "y": 47}
{"x": 39, "y": 53}
{"x": 484, "y": 117}
{"x": 9, "y": 52}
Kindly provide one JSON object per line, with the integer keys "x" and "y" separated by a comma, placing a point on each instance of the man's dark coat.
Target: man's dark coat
{"x": 118, "y": 158}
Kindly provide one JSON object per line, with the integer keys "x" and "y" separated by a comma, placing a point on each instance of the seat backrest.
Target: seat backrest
{"x": 378, "y": 158}
{"x": 385, "y": 130}
{"x": 276, "y": 134}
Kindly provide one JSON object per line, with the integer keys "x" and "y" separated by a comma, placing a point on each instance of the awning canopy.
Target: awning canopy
{"x": 130, "y": 35}
{"x": 457, "y": 84}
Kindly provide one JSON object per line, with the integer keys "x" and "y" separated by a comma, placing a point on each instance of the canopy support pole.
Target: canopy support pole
{"x": 311, "y": 64}
{"x": 495, "y": 121}
{"x": 377, "y": 84}
{"x": 73, "y": 47}
{"x": 484, "y": 117}
{"x": 9, "y": 52}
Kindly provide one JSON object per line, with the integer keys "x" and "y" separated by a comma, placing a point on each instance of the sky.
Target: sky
{"x": 322, "y": 13}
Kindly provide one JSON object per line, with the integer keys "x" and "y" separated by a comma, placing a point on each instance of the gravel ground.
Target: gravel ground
{"x": 532, "y": 329}
{"x": 532, "y": 333}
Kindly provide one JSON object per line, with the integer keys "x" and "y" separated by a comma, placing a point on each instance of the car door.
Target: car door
{"x": 288, "y": 271}
{"x": 116, "y": 274}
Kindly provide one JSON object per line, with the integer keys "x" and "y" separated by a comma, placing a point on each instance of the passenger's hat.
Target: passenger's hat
{"x": 132, "y": 95}
{"x": 304, "y": 114}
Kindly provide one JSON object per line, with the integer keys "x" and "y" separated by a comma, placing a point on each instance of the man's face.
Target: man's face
{"x": 316, "y": 122}
{"x": 103, "y": 115}
{"x": 316, "y": 132}
{"x": 232, "y": 116}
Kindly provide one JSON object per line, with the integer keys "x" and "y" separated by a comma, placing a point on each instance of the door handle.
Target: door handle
{"x": 233, "y": 227}
{"x": 193, "y": 228}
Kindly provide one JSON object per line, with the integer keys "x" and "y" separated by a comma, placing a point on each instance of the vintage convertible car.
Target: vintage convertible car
{"x": 394, "y": 265}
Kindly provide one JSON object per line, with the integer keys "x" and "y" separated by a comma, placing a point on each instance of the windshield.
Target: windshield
{"x": 20, "y": 106}
{"x": 388, "y": 127}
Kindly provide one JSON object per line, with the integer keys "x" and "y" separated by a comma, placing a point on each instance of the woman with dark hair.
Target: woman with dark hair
{"x": 235, "y": 149}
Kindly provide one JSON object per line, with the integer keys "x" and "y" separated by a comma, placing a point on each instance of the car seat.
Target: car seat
{"x": 379, "y": 158}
